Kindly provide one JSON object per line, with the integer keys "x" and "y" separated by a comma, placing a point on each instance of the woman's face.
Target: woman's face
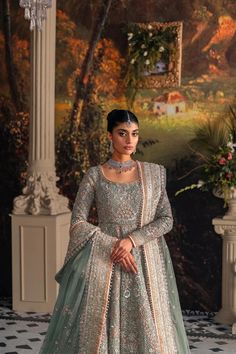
{"x": 125, "y": 138}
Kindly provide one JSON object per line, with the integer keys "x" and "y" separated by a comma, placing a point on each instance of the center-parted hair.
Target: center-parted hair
{"x": 117, "y": 116}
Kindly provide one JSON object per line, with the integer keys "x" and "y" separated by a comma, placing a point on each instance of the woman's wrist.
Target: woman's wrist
{"x": 132, "y": 241}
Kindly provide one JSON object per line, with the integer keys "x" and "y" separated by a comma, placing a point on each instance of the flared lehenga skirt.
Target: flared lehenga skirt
{"x": 129, "y": 326}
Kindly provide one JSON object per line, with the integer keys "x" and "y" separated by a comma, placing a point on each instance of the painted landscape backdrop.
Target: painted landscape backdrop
{"x": 207, "y": 89}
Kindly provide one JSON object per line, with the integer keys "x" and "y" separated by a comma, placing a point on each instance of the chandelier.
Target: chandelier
{"x": 35, "y": 11}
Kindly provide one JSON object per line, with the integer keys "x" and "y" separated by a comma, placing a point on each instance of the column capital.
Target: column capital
{"x": 225, "y": 227}
{"x": 41, "y": 196}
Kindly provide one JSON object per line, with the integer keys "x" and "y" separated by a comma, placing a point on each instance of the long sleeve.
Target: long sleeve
{"x": 162, "y": 223}
{"x": 81, "y": 231}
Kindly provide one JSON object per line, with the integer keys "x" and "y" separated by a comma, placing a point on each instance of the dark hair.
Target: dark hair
{"x": 117, "y": 116}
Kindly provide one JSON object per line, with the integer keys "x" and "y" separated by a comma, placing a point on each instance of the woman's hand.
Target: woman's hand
{"x": 122, "y": 248}
{"x": 128, "y": 263}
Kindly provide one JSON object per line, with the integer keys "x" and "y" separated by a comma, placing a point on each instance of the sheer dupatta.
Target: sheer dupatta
{"x": 155, "y": 221}
{"x": 99, "y": 269}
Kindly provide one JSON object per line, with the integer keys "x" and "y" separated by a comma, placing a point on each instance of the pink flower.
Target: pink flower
{"x": 229, "y": 175}
{"x": 230, "y": 156}
{"x": 222, "y": 161}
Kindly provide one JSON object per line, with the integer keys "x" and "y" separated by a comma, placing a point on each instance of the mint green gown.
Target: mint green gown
{"x": 116, "y": 312}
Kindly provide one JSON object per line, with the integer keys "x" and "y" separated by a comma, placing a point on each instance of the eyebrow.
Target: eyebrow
{"x": 124, "y": 130}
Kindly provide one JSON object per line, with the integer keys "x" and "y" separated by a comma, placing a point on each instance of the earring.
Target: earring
{"x": 111, "y": 147}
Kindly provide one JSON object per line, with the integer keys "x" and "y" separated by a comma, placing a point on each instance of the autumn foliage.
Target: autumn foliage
{"x": 21, "y": 55}
{"x": 70, "y": 54}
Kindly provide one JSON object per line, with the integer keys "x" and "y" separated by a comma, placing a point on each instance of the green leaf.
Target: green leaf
{"x": 186, "y": 189}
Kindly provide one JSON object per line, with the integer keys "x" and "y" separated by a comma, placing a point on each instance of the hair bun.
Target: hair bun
{"x": 110, "y": 114}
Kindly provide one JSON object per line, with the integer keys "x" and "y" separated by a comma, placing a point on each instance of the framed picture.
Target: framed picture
{"x": 155, "y": 54}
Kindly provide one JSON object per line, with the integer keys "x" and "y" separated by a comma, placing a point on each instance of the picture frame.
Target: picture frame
{"x": 166, "y": 73}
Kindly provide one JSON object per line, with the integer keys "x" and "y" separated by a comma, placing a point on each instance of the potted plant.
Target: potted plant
{"x": 215, "y": 142}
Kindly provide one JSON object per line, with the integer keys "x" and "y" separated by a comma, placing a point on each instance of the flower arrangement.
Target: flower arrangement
{"x": 218, "y": 171}
{"x": 215, "y": 141}
{"x": 148, "y": 44}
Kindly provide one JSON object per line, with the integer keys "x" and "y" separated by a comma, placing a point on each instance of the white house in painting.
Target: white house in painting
{"x": 170, "y": 103}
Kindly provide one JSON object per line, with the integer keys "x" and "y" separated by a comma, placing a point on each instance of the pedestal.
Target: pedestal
{"x": 227, "y": 229}
{"x": 39, "y": 244}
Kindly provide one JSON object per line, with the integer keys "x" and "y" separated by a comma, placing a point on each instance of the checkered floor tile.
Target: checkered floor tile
{"x": 22, "y": 333}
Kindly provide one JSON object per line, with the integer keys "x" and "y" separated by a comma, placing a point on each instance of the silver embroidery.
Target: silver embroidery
{"x": 118, "y": 306}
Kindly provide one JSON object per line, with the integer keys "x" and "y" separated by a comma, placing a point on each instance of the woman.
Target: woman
{"x": 117, "y": 287}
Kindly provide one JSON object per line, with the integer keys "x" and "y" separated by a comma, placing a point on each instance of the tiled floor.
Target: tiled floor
{"x": 22, "y": 333}
{"x": 207, "y": 336}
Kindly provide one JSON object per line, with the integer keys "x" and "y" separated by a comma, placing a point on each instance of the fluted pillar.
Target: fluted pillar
{"x": 40, "y": 217}
{"x": 40, "y": 195}
{"x": 227, "y": 229}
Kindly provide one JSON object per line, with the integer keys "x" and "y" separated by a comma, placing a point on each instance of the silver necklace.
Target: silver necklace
{"x": 121, "y": 166}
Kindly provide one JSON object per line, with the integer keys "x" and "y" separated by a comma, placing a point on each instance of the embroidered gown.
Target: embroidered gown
{"x": 101, "y": 308}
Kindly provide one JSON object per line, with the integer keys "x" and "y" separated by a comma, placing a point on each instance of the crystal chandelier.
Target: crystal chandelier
{"x": 35, "y": 11}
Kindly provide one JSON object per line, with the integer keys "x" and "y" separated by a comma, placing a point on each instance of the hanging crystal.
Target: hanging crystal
{"x": 35, "y": 11}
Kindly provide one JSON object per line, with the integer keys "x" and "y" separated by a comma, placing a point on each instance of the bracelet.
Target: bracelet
{"x": 131, "y": 239}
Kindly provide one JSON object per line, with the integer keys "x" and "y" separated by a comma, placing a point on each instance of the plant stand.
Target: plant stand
{"x": 226, "y": 227}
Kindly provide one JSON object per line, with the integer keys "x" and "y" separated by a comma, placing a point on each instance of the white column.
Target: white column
{"x": 40, "y": 195}
{"x": 227, "y": 229}
{"x": 41, "y": 217}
